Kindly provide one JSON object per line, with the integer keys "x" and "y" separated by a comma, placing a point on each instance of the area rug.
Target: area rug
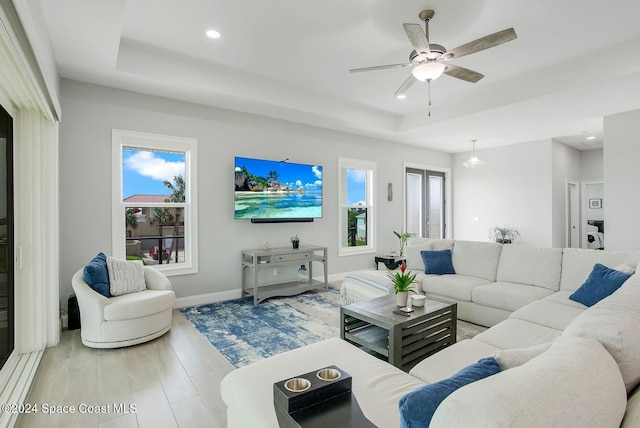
{"x": 245, "y": 333}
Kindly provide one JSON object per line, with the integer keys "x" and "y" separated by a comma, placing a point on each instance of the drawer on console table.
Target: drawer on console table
{"x": 291, "y": 257}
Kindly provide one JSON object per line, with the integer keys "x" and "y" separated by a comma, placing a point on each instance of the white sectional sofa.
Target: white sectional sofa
{"x": 493, "y": 280}
{"x": 585, "y": 372}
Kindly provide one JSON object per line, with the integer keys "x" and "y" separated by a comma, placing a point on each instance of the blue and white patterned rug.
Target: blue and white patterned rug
{"x": 245, "y": 333}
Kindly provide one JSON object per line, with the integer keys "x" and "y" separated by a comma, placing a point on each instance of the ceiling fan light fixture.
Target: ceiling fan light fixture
{"x": 428, "y": 71}
{"x": 473, "y": 161}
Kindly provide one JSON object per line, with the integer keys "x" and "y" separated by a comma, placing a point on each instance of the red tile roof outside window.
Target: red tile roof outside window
{"x": 146, "y": 198}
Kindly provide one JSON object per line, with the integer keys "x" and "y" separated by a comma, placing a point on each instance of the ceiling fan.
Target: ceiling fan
{"x": 428, "y": 61}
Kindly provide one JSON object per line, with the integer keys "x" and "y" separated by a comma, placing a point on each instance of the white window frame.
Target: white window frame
{"x": 370, "y": 168}
{"x": 132, "y": 139}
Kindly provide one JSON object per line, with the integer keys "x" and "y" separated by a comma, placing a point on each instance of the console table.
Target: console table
{"x": 258, "y": 260}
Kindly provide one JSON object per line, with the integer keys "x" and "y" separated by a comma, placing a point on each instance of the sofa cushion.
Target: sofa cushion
{"x": 602, "y": 282}
{"x": 562, "y": 387}
{"x": 479, "y": 259}
{"x": 510, "y": 358}
{"x": 125, "y": 276}
{"x": 457, "y": 287}
{"x": 514, "y": 333}
{"x": 632, "y": 415}
{"x": 138, "y": 305}
{"x": 577, "y": 263}
{"x": 562, "y": 297}
{"x": 377, "y": 385}
{"x": 450, "y": 360}
{"x": 507, "y": 295}
{"x": 96, "y": 275}
{"x": 614, "y": 322}
{"x": 417, "y": 407}
{"x": 529, "y": 264}
{"x": 415, "y": 245}
{"x": 548, "y": 313}
{"x": 437, "y": 262}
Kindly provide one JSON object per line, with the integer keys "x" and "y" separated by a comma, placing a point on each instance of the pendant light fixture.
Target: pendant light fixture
{"x": 473, "y": 161}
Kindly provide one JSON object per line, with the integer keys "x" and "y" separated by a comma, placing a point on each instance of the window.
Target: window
{"x": 356, "y": 217}
{"x": 425, "y": 202}
{"x": 154, "y": 200}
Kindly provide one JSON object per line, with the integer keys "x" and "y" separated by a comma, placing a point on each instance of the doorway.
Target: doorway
{"x": 6, "y": 237}
{"x": 573, "y": 215}
{"x": 425, "y": 203}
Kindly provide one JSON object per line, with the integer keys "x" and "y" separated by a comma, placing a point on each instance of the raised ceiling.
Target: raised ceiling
{"x": 573, "y": 63}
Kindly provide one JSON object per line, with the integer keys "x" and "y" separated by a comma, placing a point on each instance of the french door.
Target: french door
{"x": 425, "y": 203}
{"x": 6, "y": 237}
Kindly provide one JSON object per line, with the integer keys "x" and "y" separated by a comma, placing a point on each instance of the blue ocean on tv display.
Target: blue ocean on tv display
{"x": 272, "y": 189}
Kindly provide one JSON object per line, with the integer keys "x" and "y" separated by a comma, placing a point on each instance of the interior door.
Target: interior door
{"x": 425, "y": 203}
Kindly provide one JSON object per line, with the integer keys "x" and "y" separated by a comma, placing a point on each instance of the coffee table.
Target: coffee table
{"x": 402, "y": 341}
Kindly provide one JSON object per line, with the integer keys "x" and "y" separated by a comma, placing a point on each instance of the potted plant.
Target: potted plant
{"x": 504, "y": 235}
{"x": 295, "y": 241}
{"x": 402, "y": 283}
{"x": 403, "y": 240}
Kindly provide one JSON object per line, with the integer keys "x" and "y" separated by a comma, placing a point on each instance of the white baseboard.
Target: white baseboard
{"x": 203, "y": 299}
{"x": 220, "y": 296}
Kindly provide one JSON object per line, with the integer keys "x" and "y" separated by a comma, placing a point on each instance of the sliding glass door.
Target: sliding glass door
{"x": 6, "y": 236}
{"x": 425, "y": 203}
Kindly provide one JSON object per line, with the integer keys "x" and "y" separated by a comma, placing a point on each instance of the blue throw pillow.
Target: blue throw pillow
{"x": 602, "y": 282}
{"x": 437, "y": 262}
{"x": 417, "y": 407}
{"x": 96, "y": 275}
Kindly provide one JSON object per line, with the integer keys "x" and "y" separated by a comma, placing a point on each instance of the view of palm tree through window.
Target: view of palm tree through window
{"x": 153, "y": 189}
{"x": 357, "y": 210}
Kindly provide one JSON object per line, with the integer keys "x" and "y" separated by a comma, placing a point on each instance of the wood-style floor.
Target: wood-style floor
{"x": 173, "y": 381}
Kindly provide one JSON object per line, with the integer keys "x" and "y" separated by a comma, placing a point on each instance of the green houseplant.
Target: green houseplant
{"x": 402, "y": 283}
{"x": 403, "y": 240}
{"x": 504, "y": 235}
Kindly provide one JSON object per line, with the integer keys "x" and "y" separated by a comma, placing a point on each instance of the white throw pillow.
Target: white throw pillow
{"x": 626, "y": 268}
{"x": 614, "y": 322}
{"x": 510, "y": 358}
{"x": 125, "y": 276}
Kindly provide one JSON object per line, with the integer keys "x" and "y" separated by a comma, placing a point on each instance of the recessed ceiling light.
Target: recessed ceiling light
{"x": 401, "y": 97}
{"x": 591, "y": 138}
{"x": 213, "y": 34}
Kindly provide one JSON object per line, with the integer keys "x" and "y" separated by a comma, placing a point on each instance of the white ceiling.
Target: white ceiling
{"x": 573, "y": 62}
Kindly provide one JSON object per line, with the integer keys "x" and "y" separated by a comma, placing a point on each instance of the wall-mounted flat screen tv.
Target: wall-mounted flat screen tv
{"x": 277, "y": 191}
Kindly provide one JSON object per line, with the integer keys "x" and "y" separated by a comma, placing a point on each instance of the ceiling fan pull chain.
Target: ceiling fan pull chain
{"x": 429, "y": 95}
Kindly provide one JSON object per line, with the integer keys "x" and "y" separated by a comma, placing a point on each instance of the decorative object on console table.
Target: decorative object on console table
{"x": 402, "y": 283}
{"x": 504, "y": 235}
{"x": 295, "y": 241}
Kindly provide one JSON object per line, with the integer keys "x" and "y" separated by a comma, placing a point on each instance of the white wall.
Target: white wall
{"x": 91, "y": 112}
{"x": 566, "y": 166}
{"x": 512, "y": 189}
{"x": 621, "y": 178}
{"x": 592, "y": 165}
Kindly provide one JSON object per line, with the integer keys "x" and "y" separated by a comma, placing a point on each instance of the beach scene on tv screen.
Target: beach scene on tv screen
{"x": 273, "y": 189}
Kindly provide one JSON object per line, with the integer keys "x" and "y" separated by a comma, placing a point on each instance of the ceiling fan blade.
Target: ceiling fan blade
{"x": 417, "y": 37}
{"x": 378, "y": 67}
{"x": 462, "y": 73}
{"x": 405, "y": 86}
{"x": 481, "y": 44}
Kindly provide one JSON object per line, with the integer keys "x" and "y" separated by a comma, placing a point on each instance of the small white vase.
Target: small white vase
{"x": 401, "y": 298}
